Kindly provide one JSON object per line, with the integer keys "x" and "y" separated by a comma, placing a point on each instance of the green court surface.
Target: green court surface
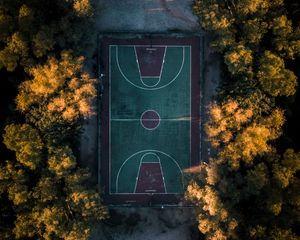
{"x": 167, "y": 141}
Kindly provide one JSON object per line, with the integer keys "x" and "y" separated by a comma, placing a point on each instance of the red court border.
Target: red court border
{"x": 147, "y": 199}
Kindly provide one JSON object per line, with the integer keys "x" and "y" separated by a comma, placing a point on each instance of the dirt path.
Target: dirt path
{"x": 179, "y": 14}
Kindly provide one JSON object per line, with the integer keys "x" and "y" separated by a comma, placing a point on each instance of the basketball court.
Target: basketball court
{"x": 149, "y": 126}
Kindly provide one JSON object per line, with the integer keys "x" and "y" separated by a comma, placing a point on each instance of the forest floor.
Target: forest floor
{"x": 150, "y": 16}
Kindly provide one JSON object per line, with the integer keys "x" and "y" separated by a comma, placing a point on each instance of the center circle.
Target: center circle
{"x": 150, "y": 119}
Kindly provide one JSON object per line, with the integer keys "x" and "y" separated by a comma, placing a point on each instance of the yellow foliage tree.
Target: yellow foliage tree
{"x": 61, "y": 86}
{"x": 274, "y": 78}
{"x": 239, "y": 60}
{"x": 238, "y": 134}
{"x": 26, "y": 142}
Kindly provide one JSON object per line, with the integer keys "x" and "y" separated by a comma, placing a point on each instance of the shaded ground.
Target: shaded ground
{"x": 211, "y": 76}
{"x": 146, "y": 15}
{"x": 148, "y": 224}
{"x": 151, "y": 16}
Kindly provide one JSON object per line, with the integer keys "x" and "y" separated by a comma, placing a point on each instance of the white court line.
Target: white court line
{"x": 163, "y": 177}
{"x": 130, "y": 193}
{"x": 137, "y": 177}
{"x": 163, "y": 62}
{"x": 138, "y": 174}
{"x": 149, "y": 77}
{"x": 137, "y": 60}
{"x": 147, "y": 150}
{"x": 162, "y": 66}
{"x": 149, "y": 45}
{"x": 155, "y": 9}
{"x": 149, "y": 162}
{"x": 161, "y": 119}
{"x": 150, "y": 153}
{"x": 141, "y": 120}
{"x": 150, "y": 191}
{"x": 141, "y": 78}
{"x": 143, "y": 88}
{"x": 184, "y": 119}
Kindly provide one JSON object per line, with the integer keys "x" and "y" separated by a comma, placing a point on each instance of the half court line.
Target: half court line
{"x": 148, "y": 119}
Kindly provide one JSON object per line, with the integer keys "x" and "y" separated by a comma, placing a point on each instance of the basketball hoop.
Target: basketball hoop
{"x": 151, "y": 49}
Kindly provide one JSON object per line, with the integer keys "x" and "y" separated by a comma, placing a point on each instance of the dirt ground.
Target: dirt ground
{"x": 151, "y": 16}
{"x": 148, "y": 224}
{"x": 146, "y": 16}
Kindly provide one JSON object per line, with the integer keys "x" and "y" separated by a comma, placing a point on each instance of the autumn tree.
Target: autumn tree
{"x": 215, "y": 17}
{"x": 274, "y": 78}
{"x": 286, "y": 39}
{"x": 239, "y": 60}
{"x": 31, "y": 29}
{"x": 248, "y": 189}
{"x": 44, "y": 194}
{"x": 60, "y": 84}
{"x": 26, "y": 142}
{"x": 260, "y": 202}
{"x": 241, "y": 30}
{"x": 58, "y": 96}
{"x": 51, "y": 199}
{"x": 238, "y": 134}
{"x": 45, "y": 184}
